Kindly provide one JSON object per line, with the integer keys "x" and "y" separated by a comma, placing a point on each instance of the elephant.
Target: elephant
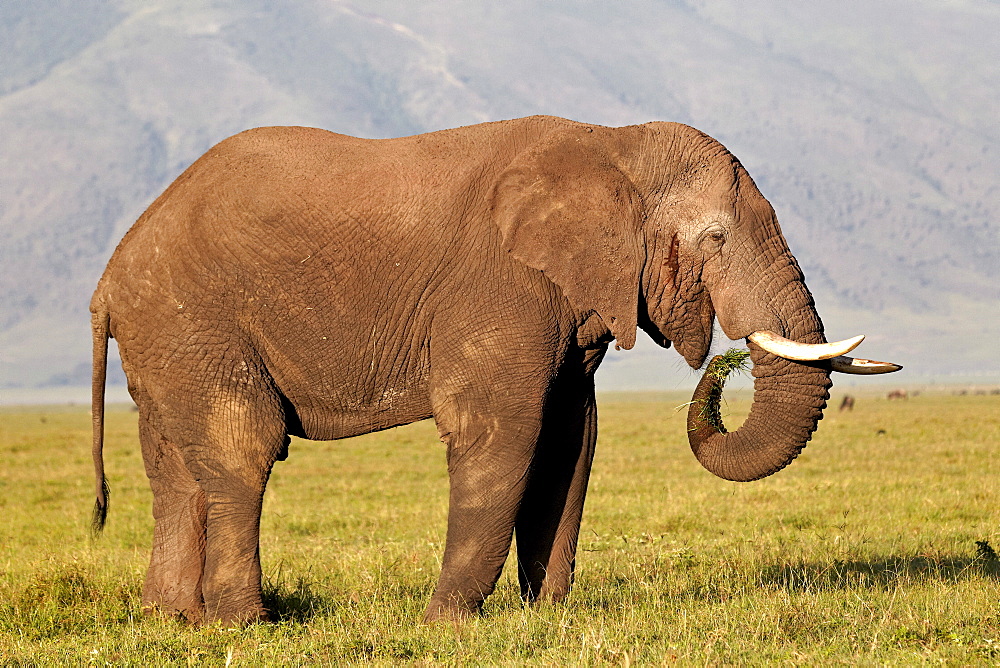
{"x": 298, "y": 282}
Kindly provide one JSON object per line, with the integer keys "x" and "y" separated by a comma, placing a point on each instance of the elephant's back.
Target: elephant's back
{"x": 278, "y": 206}
{"x": 255, "y": 182}
{"x": 256, "y": 191}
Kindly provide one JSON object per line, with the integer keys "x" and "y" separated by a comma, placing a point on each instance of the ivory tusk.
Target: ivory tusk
{"x": 803, "y": 352}
{"x": 845, "y": 364}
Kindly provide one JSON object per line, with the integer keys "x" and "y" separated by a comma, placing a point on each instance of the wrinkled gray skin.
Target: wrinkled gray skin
{"x": 296, "y": 281}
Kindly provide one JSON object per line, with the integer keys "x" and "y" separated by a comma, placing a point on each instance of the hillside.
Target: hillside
{"x": 873, "y": 132}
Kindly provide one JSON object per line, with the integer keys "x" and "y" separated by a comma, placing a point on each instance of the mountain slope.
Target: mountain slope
{"x": 871, "y": 127}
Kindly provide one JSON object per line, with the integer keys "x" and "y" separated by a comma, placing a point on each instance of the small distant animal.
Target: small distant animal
{"x": 847, "y": 403}
{"x": 897, "y": 394}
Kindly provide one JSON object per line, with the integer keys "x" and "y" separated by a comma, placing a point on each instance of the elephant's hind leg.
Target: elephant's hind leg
{"x": 173, "y": 582}
{"x": 243, "y": 437}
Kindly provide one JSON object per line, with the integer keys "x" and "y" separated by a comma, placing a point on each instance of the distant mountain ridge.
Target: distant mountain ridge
{"x": 871, "y": 127}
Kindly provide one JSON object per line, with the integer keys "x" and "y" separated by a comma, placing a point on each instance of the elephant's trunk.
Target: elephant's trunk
{"x": 789, "y": 398}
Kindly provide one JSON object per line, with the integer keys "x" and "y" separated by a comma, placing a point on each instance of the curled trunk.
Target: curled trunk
{"x": 789, "y": 398}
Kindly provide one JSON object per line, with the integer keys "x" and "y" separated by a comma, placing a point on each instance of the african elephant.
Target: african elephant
{"x": 294, "y": 281}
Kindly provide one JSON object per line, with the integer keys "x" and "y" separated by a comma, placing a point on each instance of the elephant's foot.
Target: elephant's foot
{"x": 451, "y": 610}
{"x": 193, "y": 614}
{"x": 196, "y": 615}
{"x": 553, "y": 589}
{"x": 174, "y": 594}
{"x": 546, "y": 585}
{"x": 232, "y": 606}
{"x": 555, "y": 593}
{"x": 241, "y": 618}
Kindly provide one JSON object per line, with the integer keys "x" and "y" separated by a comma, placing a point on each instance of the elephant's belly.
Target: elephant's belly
{"x": 347, "y": 385}
{"x": 321, "y": 418}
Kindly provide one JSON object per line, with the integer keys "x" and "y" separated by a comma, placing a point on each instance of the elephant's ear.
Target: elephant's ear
{"x": 564, "y": 208}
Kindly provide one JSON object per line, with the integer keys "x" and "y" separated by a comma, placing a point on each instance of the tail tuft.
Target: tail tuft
{"x": 100, "y": 510}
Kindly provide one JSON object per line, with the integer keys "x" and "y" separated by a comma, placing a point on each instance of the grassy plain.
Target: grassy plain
{"x": 863, "y": 551}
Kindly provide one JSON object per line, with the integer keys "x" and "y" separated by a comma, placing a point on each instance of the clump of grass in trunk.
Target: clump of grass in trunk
{"x": 724, "y": 365}
{"x": 721, "y": 367}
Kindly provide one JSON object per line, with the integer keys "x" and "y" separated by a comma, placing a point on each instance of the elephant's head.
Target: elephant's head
{"x": 659, "y": 226}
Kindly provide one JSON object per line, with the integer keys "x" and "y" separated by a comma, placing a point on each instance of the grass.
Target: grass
{"x": 734, "y": 360}
{"x": 876, "y": 546}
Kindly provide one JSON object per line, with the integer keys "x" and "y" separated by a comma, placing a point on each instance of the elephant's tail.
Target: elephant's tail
{"x": 100, "y": 326}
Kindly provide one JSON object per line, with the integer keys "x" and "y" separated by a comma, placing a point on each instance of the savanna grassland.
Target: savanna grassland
{"x": 875, "y": 546}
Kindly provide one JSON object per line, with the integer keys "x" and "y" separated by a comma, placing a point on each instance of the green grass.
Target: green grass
{"x": 863, "y": 551}
{"x": 720, "y": 367}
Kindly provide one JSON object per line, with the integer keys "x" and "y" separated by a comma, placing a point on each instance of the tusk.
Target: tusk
{"x": 803, "y": 352}
{"x": 845, "y": 364}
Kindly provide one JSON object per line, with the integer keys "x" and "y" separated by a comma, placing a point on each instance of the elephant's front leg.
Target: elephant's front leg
{"x": 489, "y": 454}
{"x": 548, "y": 524}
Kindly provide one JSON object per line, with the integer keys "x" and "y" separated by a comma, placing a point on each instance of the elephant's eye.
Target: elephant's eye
{"x": 713, "y": 240}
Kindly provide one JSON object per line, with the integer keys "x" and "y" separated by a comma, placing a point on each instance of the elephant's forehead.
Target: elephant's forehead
{"x": 689, "y": 217}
